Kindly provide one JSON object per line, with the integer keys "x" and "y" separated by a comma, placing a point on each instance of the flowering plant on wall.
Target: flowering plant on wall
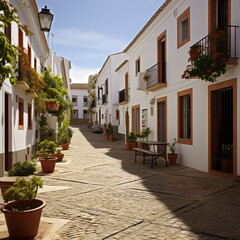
{"x": 208, "y": 57}
{"x": 28, "y": 74}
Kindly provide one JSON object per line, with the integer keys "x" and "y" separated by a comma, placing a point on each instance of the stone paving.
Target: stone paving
{"x": 99, "y": 192}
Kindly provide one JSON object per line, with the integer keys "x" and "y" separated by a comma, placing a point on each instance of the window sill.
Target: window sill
{"x": 157, "y": 86}
{"x": 185, "y": 141}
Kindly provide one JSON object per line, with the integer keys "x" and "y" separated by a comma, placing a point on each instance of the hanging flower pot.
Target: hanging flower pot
{"x": 52, "y": 106}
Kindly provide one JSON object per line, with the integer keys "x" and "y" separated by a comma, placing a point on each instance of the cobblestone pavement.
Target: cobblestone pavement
{"x": 103, "y": 194}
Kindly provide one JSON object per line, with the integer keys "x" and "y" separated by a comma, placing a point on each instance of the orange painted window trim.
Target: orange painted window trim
{"x": 20, "y": 113}
{"x": 179, "y": 95}
{"x": 179, "y": 20}
{"x": 137, "y": 70}
{"x": 29, "y": 116}
{"x": 135, "y": 123}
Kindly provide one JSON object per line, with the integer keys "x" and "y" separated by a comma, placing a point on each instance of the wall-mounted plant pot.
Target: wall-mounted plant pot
{"x": 59, "y": 156}
{"x": 48, "y": 164}
{"x": 23, "y": 224}
{"x": 172, "y": 158}
{"x": 52, "y": 106}
{"x": 65, "y": 146}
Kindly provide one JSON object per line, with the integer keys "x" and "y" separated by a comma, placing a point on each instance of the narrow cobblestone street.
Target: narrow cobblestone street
{"x": 101, "y": 193}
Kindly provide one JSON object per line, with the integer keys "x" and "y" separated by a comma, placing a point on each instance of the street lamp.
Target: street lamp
{"x": 45, "y": 19}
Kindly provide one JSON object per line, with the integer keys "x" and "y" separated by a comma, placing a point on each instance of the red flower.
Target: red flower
{"x": 209, "y": 71}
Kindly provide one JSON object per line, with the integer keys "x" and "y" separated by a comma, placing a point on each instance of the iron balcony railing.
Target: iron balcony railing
{"x": 156, "y": 74}
{"x": 210, "y": 44}
{"x": 104, "y": 99}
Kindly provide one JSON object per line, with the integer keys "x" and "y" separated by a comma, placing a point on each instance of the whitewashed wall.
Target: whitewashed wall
{"x": 195, "y": 155}
{"x": 80, "y": 93}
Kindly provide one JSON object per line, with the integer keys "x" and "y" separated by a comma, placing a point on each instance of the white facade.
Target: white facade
{"x": 17, "y": 142}
{"x": 195, "y": 153}
{"x": 107, "y": 85}
{"x": 79, "y": 98}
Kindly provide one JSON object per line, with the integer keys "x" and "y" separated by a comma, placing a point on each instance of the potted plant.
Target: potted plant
{"x": 128, "y": 143}
{"x": 172, "y": 157}
{"x": 144, "y": 135}
{"x": 70, "y": 134}
{"x": 110, "y": 132}
{"x": 47, "y": 162}
{"x": 133, "y": 138}
{"x": 107, "y": 133}
{"x": 25, "y": 168}
{"x": 63, "y": 138}
{"x": 21, "y": 208}
{"x": 58, "y": 155}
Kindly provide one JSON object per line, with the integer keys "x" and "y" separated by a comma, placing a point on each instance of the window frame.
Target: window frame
{"x": 134, "y": 119}
{"x": 29, "y": 54}
{"x": 137, "y": 69}
{"x": 179, "y": 20}
{"x": 117, "y": 114}
{"x": 20, "y": 38}
{"x": 179, "y": 95}
{"x": 8, "y": 29}
{"x": 29, "y": 116}
{"x": 20, "y": 113}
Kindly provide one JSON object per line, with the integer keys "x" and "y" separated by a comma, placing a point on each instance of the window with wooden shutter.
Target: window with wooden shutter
{"x": 20, "y": 113}
{"x": 136, "y": 119}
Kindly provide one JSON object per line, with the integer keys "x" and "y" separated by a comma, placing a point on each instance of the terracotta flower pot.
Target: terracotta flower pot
{"x": 129, "y": 145}
{"x": 6, "y": 183}
{"x": 48, "y": 164}
{"x": 134, "y": 144}
{"x": 172, "y": 158}
{"x": 23, "y": 224}
{"x": 65, "y": 146}
{"x": 111, "y": 138}
{"x": 59, "y": 156}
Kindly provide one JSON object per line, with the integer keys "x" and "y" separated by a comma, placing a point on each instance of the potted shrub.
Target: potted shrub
{"x": 172, "y": 157}
{"x": 47, "y": 162}
{"x": 22, "y": 210}
{"x": 70, "y": 134}
{"x": 63, "y": 138}
{"x": 133, "y": 138}
{"x": 144, "y": 135}
{"x": 110, "y": 132}
{"x": 128, "y": 143}
{"x": 58, "y": 155}
{"x": 25, "y": 168}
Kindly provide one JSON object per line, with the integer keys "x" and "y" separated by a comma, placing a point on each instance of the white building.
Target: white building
{"x": 107, "y": 91}
{"x": 79, "y": 98}
{"x": 18, "y": 119}
{"x": 201, "y": 115}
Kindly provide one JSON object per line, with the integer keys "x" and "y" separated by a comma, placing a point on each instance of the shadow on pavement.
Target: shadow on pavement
{"x": 209, "y": 205}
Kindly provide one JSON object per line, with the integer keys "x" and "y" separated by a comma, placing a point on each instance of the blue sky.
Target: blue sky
{"x": 87, "y": 31}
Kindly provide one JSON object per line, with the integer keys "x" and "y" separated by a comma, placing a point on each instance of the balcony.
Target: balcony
{"x": 156, "y": 77}
{"x": 104, "y": 99}
{"x": 123, "y": 96}
{"x": 211, "y": 45}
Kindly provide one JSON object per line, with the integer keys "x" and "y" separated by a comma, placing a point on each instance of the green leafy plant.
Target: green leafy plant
{"x": 47, "y": 133}
{"x": 23, "y": 189}
{"x": 145, "y": 133}
{"x": 172, "y": 146}
{"x": 9, "y": 52}
{"x": 69, "y": 132}
{"x": 47, "y": 148}
{"x": 208, "y": 66}
{"x": 110, "y": 129}
{"x": 62, "y": 135}
{"x": 132, "y": 137}
{"x": 25, "y": 168}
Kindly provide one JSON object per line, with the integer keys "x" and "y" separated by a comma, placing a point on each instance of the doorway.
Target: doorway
{"x": 222, "y": 127}
{"x": 162, "y": 119}
{"x": 127, "y": 123}
{"x": 7, "y": 132}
